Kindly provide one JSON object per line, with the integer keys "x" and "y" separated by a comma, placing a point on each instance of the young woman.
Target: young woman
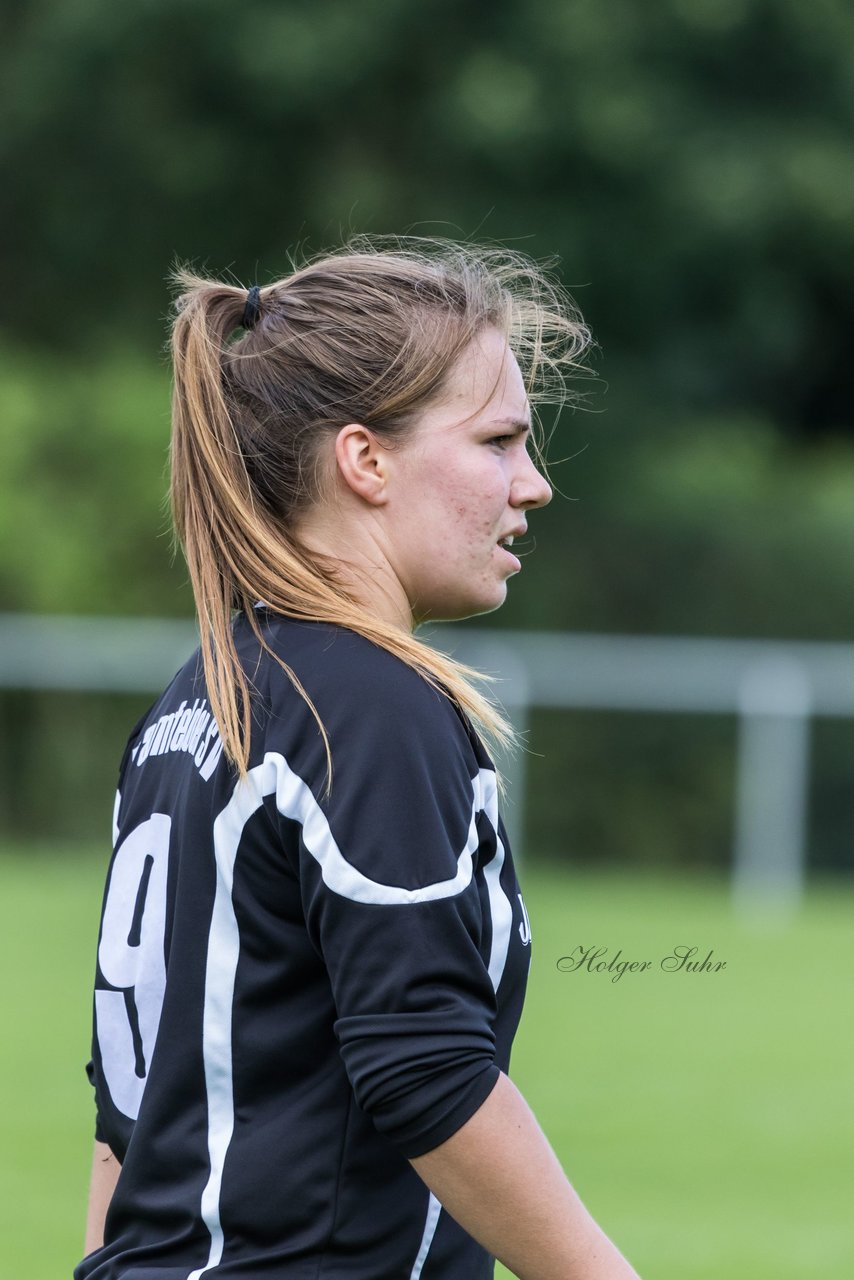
{"x": 313, "y": 947}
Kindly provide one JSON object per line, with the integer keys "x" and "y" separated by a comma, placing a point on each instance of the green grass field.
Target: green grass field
{"x": 705, "y": 1118}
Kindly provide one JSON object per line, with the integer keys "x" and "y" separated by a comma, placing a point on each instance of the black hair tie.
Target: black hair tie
{"x": 252, "y": 310}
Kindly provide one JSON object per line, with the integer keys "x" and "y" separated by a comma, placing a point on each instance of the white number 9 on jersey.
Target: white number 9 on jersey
{"x": 131, "y": 956}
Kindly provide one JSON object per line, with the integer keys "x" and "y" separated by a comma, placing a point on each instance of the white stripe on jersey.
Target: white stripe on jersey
{"x": 434, "y": 1208}
{"x": 116, "y": 804}
{"x": 294, "y": 800}
{"x": 500, "y": 906}
{"x": 220, "y": 972}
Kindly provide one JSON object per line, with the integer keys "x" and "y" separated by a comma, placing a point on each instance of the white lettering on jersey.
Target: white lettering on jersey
{"x": 525, "y": 924}
{"x": 182, "y": 730}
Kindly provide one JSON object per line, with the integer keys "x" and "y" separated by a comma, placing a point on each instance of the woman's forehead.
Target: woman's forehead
{"x": 485, "y": 383}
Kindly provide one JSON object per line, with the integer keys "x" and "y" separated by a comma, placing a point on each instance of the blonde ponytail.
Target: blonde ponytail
{"x": 365, "y": 334}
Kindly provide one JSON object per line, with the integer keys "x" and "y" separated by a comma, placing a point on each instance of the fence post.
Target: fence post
{"x": 775, "y": 704}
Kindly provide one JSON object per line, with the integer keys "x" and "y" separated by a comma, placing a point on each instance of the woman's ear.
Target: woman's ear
{"x": 362, "y": 463}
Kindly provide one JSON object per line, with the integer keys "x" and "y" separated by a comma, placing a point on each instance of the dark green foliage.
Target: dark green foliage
{"x": 689, "y": 160}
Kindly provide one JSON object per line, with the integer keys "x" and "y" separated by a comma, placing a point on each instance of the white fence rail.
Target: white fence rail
{"x": 773, "y": 687}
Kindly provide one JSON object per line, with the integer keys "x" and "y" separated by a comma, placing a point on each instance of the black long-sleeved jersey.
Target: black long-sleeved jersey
{"x": 295, "y": 992}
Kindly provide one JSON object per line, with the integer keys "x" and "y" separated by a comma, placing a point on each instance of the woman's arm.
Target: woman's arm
{"x": 499, "y": 1178}
{"x": 105, "y": 1175}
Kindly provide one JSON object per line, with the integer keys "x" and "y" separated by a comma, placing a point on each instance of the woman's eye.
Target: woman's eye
{"x": 501, "y": 441}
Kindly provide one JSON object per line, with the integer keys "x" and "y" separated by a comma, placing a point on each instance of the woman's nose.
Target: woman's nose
{"x": 530, "y": 489}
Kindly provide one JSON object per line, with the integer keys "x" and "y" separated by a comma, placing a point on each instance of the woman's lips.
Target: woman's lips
{"x": 508, "y": 555}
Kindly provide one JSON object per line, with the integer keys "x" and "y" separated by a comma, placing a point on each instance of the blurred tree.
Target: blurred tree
{"x": 690, "y": 159}
{"x": 691, "y": 162}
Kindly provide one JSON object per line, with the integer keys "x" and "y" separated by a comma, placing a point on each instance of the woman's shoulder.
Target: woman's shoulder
{"x": 349, "y": 677}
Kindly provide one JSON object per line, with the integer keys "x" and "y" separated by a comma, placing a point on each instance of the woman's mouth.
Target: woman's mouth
{"x": 504, "y": 545}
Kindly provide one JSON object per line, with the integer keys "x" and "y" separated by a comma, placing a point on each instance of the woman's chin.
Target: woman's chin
{"x": 470, "y": 607}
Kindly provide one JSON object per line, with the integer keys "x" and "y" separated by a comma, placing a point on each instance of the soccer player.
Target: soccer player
{"x": 313, "y": 947}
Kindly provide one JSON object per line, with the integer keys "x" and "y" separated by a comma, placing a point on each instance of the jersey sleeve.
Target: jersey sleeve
{"x": 394, "y": 901}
